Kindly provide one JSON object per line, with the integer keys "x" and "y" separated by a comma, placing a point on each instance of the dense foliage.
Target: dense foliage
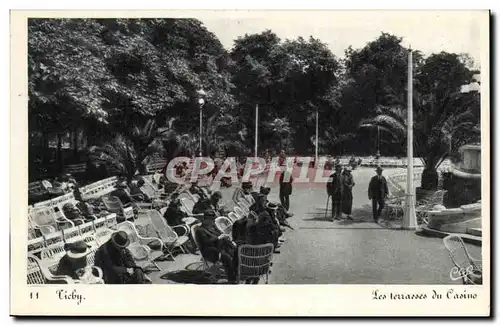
{"x": 128, "y": 88}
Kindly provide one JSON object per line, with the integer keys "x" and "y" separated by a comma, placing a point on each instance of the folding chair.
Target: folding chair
{"x": 470, "y": 269}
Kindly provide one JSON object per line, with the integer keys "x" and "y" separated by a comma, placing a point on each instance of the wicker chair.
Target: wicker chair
{"x": 469, "y": 269}
{"x": 143, "y": 254}
{"x": 39, "y": 273}
{"x": 167, "y": 235}
{"x": 254, "y": 262}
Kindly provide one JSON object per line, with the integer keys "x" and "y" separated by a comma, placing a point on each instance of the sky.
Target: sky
{"x": 427, "y": 31}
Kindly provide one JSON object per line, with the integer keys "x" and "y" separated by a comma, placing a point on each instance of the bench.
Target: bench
{"x": 75, "y": 168}
{"x": 101, "y": 228}
{"x": 99, "y": 188}
{"x": 38, "y": 188}
{"x": 156, "y": 165}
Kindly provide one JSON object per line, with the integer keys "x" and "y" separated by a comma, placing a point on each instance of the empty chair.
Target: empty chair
{"x": 224, "y": 225}
{"x": 167, "y": 235}
{"x": 254, "y": 262}
{"x": 467, "y": 268}
{"x": 233, "y": 217}
{"x": 140, "y": 247}
{"x": 240, "y": 212}
{"x": 243, "y": 204}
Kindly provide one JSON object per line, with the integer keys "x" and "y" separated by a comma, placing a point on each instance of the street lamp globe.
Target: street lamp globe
{"x": 201, "y": 101}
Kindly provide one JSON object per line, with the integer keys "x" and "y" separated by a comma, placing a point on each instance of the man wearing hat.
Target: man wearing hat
{"x": 335, "y": 189}
{"x": 117, "y": 263}
{"x": 216, "y": 246}
{"x": 122, "y": 192}
{"x": 246, "y": 189}
{"x": 378, "y": 192}
{"x": 347, "y": 192}
{"x": 286, "y": 180}
{"x": 75, "y": 259}
{"x": 174, "y": 215}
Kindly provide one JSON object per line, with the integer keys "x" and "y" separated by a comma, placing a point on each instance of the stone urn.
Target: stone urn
{"x": 463, "y": 182}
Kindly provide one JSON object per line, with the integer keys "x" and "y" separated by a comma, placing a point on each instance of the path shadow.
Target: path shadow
{"x": 319, "y": 214}
{"x": 359, "y": 215}
{"x": 192, "y": 277}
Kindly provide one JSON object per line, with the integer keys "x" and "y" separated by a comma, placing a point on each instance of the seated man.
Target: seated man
{"x": 215, "y": 246}
{"x": 74, "y": 262}
{"x": 122, "y": 193}
{"x": 215, "y": 203}
{"x": 244, "y": 190}
{"x": 265, "y": 229}
{"x": 117, "y": 263}
{"x": 73, "y": 214}
{"x": 175, "y": 216}
{"x": 137, "y": 193}
{"x": 201, "y": 206}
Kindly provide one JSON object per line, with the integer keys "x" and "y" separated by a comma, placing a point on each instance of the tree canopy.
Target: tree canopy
{"x": 109, "y": 77}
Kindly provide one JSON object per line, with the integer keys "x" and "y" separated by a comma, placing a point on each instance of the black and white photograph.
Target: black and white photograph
{"x": 255, "y": 149}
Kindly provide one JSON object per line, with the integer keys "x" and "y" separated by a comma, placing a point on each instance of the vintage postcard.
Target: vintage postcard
{"x": 280, "y": 163}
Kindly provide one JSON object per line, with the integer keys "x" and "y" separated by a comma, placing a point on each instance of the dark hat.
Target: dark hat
{"x": 338, "y": 167}
{"x": 68, "y": 206}
{"x": 209, "y": 213}
{"x": 379, "y": 168}
{"x": 217, "y": 193}
{"x": 175, "y": 202}
{"x": 265, "y": 190}
{"x": 120, "y": 239}
{"x": 121, "y": 184}
{"x": 76, "y": 250}
{"x": 247, "y": 184}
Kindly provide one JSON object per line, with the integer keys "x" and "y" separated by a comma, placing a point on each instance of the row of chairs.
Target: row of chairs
{"x": 253, "y": 261}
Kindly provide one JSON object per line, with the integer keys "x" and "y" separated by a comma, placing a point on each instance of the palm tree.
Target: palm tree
{"x": 128, "y": 153}
{"x": 435, "y": 123}
{"x": 224, "y": 131}
{"x": 279, "y": 131}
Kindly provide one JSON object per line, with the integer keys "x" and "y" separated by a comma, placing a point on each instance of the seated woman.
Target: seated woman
{"x": 74, "y": 262}
{"x": 216, "y": 246}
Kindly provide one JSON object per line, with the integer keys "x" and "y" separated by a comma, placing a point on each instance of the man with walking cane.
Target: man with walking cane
{"x": 334, "y": 188}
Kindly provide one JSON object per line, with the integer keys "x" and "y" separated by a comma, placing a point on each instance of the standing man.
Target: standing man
{"x": 335, "y": 187}
{"x": 347, "y": 193}
{"x": 286, "y": 180}
{"x": 377, "y": 193}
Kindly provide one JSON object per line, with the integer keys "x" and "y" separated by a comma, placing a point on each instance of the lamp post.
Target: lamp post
{"x": 316, "y": 153}
{"x": 409, "y": 218}
{"x": 201, "y": 101}
{"x": 378, "y": 142}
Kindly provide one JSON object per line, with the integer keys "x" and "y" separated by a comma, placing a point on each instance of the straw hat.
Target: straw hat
{"x": 76, "y": 250}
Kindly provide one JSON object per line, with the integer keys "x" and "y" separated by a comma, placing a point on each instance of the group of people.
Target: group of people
{"x": 264, "y": 224}
{"x": 339, "y": 189}
{"x": 113, "y": 258}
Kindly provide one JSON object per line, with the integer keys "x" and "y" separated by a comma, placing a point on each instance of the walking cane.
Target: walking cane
{"x": 327, "y": 200}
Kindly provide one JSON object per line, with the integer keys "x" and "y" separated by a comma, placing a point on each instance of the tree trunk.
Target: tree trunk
{"x": 430, "y": 179}
{"x": 75, "y": 144}
{"x": 59, "y": 153}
